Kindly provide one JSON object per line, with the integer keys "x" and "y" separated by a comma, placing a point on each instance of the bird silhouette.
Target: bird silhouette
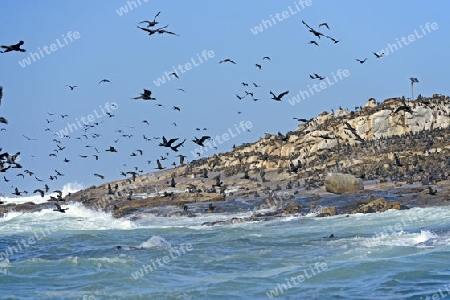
{"x": 59, "y": 209}
{"x": 258, "y": 66}
{"x": 334, "y": 40}
{"x": 378, "y": 55}
{"x": 361, "y": 61}
{"x": 99, "y": 175}
{"x": 278, "y": 98}
{"x": 227, "y": 60}
{"x": 15, "y": 47}
{"x": 324, "y": 24}
{"x": 71, "y": 86}
{"x": 167, "y": 143}
{"x": 314, "y": 43}
{"x": 104, "y": 80}
{"x": 160, "y": 167}
{"x": 201, "y": 140}
{"x": 146, "y": 95}
{"x": 40, "y": 192}
{"x": 111, "y": 149}
{"x": 151, "y": 23}
{"x": 175, "y": 148}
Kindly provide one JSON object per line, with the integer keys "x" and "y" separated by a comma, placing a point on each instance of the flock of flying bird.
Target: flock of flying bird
{"x": 8, "y": 161}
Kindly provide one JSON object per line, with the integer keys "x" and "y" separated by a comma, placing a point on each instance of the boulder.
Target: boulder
{"x": 327, "y": 212}
{"x": 378, "y": 205}
{"x": 338, "y": 183}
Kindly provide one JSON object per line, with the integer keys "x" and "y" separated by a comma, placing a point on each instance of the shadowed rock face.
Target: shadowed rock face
{"x": 374, "y": 143}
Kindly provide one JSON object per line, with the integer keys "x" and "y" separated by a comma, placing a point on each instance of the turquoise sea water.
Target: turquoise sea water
{"x": 391, "y": 255}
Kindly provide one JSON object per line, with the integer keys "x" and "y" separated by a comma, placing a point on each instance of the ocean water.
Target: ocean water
{"x": 391, "y": 255}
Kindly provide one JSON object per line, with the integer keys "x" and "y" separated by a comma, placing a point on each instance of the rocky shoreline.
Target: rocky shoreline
{"x": 403, "y": 158}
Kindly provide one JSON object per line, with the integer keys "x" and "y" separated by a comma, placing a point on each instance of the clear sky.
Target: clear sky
{"x": 94, "y": 40}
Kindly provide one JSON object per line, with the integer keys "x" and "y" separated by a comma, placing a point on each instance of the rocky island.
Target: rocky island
{"x": 388, "y": 155}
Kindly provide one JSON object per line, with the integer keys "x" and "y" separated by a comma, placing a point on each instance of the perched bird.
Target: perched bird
{"x": 278, "y": 98}
{"x": 182, "y": 157}
{"x": 146, "y": 95}
{"x": 431, "y": 191}
{"x": 201, "y": 140}
{"x": 227, "y": 60}
{"x": 15, "y": 47}
{"x": 160, "y": 167}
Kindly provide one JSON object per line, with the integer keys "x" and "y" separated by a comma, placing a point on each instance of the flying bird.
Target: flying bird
{"x": 361, "y": 61}
{"x": 258, "y": 66}
{"x": 227, "y": 60}
{"x": 28, "y": 138}
{"x": 15, "y": 47}
{"x": 314, "y": 43}
{"x": 324, "y": 24}
{"x": 146, "y": 95}
{"x": 167, "y": 143}
{"x": 266, "y": 57}
{"x": 40, "y": 192}
{"x": 59, "y": 209}
{"x": 334, "y": 40}
{"x": 151, "y": 23}
{"x": 99, "y": 175}
{"x": 201, "y": 140}
{"x": 378, "y": 55}
{"x": 174, "y": 74}
{"x": 1, "y": 94}
{"x": 71, "y": 86}
{"x": 278, "y": 98}
{"x": 104, "y": 80}
{"x": 175, "y": 148}
{"x": 111, "y": 149}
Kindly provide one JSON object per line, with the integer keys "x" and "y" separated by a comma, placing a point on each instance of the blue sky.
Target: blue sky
{"x": 110, "y": 46}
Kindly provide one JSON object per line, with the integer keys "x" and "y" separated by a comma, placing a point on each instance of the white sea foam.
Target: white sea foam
{"x": 70, "y": 187}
